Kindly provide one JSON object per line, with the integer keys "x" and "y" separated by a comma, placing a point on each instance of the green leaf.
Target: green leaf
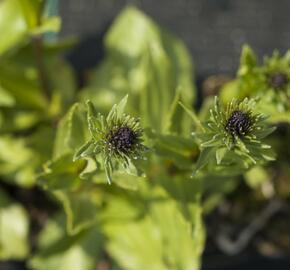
{"x": 19, "y": 19}
{"x": 16, "y": 161}
{"x": 169, "y": 122}
{"x": 62, "y": 80}
{"x": 80, "y": 206}
{"x": 121, "y": 106}
{"x": 70, "y": 184}
{"x": 95, "y": 122}
{"x": 21, "y": 159}
{"x": 6, "y": 99}
{"x": 182, "y": 151}
{"x": 162, "y": 239}
{"x": 204, "y": 158}
{"x": 22, "y": 84}
{"x": 193, "y": 116}
{"x": 51, "y": 24}
{"x": 268, "y": 154}
{"x": 86, "y": 150}
{"x": 229, "y": 91}
{"x": 15, "y": 120}
{"x": 256, "y": 176}
{"x": 248, "y": 60}
{"x": 220, "y": 153}
{"x": 151, "y": 66}
{"x": 71, "y": 132}
{"x": 14, "y": 227}
{"x": 57, "y": 250}
{"x": 62, "y": 173}
{"x": 108, "y": 171}
{"x": 12, "y": 24}
{"x": 30, "y": 10}
{"x": 127, "y": 181}
{"x": 261, "y": 134}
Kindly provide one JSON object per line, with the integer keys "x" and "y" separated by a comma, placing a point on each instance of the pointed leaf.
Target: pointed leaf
{"x": 220, "y": 153}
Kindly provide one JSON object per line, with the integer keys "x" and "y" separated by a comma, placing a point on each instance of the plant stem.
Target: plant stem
{"x": 193, "y": 116}
{"x": 42, "y": 73}
{"x": 37, "y": 43}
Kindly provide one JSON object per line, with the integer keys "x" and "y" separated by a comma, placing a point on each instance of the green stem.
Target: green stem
{"x": 193, "y": 116}
{"x": 39, "y": 57}
{"x": 42, "y": 73}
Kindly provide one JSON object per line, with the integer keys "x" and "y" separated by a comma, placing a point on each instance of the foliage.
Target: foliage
{"x": 132, "y": 125}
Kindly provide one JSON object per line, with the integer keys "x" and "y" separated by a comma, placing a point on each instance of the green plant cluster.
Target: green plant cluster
{"x": 269, "y": 81}
{"x": 130, "y": 163}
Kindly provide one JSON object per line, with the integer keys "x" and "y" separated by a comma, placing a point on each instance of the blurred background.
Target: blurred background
{"x": 213, "y": 30}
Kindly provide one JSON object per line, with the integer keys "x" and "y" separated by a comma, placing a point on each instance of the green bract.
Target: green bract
{"x": 233, "y": 134}
{"x": 116, "y": 139}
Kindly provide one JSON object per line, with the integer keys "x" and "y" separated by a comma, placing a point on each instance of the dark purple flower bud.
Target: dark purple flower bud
{"x": 123, "y": 139}
{"x": 239, "y": 123}
{"x": 278, "y": 80}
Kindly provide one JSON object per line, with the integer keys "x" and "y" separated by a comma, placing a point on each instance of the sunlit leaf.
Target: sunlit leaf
{"x": 71, "y": 131}
{"x": 162, "y": 239}
{"x": 57, "y": 250}
{"x": 256, "y": 176}
{"x": 14, "y": 227}
{"x": 80, "y": 206}
{"x": 12, "y": 24}
{"x": 149, "y": 64}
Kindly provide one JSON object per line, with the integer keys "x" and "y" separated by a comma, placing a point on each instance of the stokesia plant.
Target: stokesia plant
{"x": 130, "y": 173}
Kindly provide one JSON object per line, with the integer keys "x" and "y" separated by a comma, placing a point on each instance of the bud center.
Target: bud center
{"x": 278, "y": 80}
{"x": 123, "y": 139}
{"x": 238, "y": 123}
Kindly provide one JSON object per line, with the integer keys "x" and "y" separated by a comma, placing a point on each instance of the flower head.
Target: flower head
{"x": 270, "y": 82}
{"x": 276, "y": 70}
{"x": 239, "y": 123}
{"x": 278, "y": 80}
{"x": 234, "y": 134}
{"x": 236, "y": 122}
{"x": 117, "y": 139}
{"x": 122, "y": 139}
